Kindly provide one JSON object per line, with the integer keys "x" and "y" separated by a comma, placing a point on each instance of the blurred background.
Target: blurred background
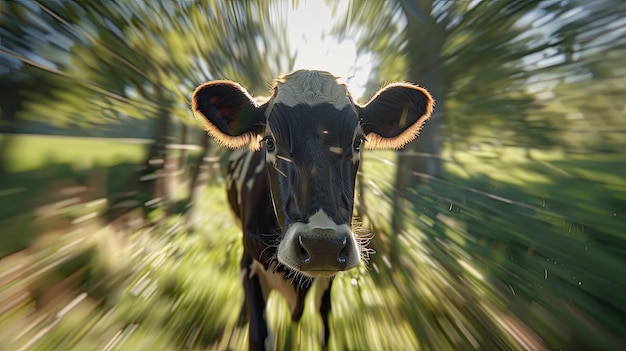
{"x": 502, "y": 227}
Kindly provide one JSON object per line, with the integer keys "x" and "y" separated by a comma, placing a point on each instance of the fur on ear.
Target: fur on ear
{"x": 229, "y": 114}
{"x": 395, "y": 115}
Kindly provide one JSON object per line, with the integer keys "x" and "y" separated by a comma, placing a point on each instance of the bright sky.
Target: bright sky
{"x": 309, "y": 27}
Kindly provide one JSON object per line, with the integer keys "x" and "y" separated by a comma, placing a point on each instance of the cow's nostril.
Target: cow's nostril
{"x": 342, "y": 257}
{"x": 303, "y": 254}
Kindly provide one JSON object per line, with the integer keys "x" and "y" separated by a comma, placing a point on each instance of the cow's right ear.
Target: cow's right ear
{"x": 229, "y": 114}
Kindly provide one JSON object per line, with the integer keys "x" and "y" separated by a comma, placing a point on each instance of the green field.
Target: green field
{"x": 49, "y": 179}
{"x": 32, "y": 153}
{"x": 509, "y": 249}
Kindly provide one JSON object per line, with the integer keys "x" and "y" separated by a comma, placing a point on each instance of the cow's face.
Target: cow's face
{"x": 312, "y": 134}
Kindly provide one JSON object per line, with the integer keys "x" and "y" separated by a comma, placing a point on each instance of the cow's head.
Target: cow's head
{"x": 312, "y": 134}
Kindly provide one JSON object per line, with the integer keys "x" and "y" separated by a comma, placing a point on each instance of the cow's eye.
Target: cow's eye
{"x": 357, "y": 144}
{"x": 269, "y": 141}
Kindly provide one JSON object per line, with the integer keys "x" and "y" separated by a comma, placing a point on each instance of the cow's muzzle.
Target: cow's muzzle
{"x": 319, "y": 247}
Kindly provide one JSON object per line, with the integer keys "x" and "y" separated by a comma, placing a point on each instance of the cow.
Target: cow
{"x": 291, "y": 187}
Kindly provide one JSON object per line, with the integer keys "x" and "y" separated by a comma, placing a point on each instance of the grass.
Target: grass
{"x": 50, "y": 182}
{"x": 32, "y": 153}
{"x": 542, "y": 231}
{"x": 505, "y": 252}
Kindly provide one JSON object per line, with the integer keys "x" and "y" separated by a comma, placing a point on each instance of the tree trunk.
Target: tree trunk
{"x": 155, "y": 165}
{"x": 184, "y": 153}
{"x": 422, "y": 156}
{"x": 199, "y": 181}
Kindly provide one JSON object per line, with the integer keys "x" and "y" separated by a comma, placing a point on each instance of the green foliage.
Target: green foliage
{"x": 132, "y": 59}
{"x": 496, "y": 58}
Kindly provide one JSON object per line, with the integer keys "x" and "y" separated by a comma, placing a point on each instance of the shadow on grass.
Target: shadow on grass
{"x": 57, "y": 197}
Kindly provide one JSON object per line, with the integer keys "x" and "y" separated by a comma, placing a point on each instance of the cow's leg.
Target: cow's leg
{"x": 255, "y": 307}
{"x": 324, "y": 312}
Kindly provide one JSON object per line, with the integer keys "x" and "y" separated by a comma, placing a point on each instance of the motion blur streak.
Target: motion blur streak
{"x": 503, "y": 226}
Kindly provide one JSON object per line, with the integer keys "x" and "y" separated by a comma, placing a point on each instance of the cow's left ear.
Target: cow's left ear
{"x": 395, "y": 115}
{"x": 229, "y": 114}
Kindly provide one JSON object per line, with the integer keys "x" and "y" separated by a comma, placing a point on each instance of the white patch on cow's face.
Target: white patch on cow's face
{"x": 311, "y": 88}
